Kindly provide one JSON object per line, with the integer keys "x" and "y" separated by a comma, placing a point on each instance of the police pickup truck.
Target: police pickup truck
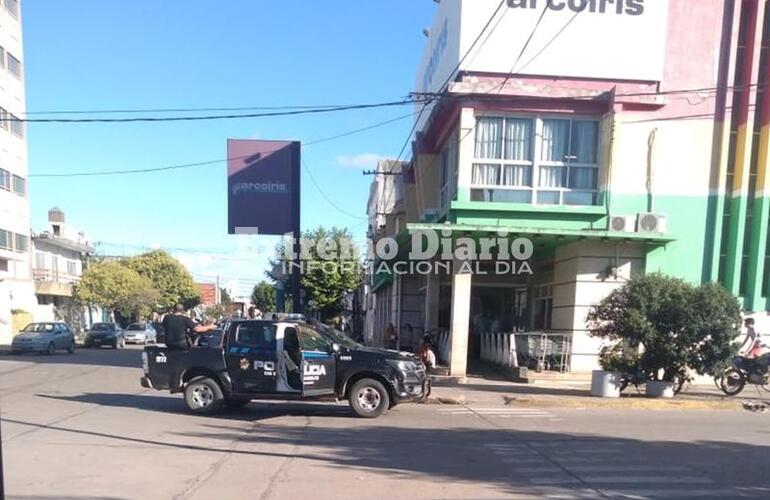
{"x": 285, "y": 360}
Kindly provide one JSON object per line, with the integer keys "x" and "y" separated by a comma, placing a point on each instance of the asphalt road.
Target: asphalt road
{"x": 80, "y": 427}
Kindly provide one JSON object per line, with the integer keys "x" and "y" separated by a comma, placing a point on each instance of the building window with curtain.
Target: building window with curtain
{"x": 19, "y": 185}
{"x": 5, "y": 239}
{"x": 539, "y": 160}
{"x": 5, "y": 179}
{"x": 22, "y": 243}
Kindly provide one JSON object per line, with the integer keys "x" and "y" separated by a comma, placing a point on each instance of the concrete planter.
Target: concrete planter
{"x": 605, "y": 384}
{"x": 659, "y": 389}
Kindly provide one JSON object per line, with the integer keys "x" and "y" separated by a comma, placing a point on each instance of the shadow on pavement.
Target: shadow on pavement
{"x": 555, "y": 463}
{"x": 130, "y": 357}
{"x": 254, "y": 411}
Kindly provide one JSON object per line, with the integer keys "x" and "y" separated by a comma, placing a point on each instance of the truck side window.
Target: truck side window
{"x": 258, "y": 335}
{"x": 310, "y": 340}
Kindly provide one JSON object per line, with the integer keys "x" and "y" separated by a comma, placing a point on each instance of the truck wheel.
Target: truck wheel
{"x": 236, "y": 403}
{"x": 71, "y": 348}
{"x": 51, "y": 349}
{"x": 368, "y": 398}
{"x": 203, "y": 396}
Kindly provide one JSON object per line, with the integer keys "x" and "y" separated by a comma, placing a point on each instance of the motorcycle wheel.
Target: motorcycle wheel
{"x": 679, "y": 384}
{"x": 732, "y": 382}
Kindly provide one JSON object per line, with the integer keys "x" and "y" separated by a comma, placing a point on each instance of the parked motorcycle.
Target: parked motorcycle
{"x": 639, "y": 377}
{"x": 745, "y": 371}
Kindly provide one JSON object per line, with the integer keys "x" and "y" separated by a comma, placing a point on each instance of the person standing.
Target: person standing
{"x": 179, "y": 328}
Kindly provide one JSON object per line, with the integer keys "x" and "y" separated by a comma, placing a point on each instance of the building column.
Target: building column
{"x": 432, "y": 288}
{"x": 761, "y": 209}
{"x": 461, "y": 316}
{"x": 743, "y": 147}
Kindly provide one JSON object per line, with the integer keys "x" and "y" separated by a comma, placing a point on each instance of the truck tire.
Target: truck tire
{"x": 368, "y": 398}
{"x": 203, "y": 396}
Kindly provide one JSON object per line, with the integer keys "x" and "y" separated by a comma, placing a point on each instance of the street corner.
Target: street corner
{"x": 626, "y": 402}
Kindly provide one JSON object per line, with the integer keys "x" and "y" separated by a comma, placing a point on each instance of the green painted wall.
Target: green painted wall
{"x": 686, "y": 221}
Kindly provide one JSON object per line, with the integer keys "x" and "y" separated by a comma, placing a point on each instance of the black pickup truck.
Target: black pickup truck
{"x": 285, "y": 360}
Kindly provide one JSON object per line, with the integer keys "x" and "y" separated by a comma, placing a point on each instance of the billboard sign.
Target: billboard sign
{"x": 594, "y": 39}
{"x": 263, "y": 186}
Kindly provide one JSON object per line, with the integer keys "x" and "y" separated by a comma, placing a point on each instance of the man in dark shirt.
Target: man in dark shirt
{"x": 179, "y": 327}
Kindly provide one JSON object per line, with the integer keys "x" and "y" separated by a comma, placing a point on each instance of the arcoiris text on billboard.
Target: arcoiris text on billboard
{"x": 630, "y": 7}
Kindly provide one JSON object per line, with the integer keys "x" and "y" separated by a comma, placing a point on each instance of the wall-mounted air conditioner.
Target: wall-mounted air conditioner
{"x": 623, "y": 223}
{"x": 651, "y": 223}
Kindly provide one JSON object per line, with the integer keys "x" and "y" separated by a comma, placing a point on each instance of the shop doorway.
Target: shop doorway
{"x": 495, "y": 309}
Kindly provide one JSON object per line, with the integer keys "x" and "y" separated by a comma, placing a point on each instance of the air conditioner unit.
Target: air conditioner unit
{"x": 650, "y": 223}
{"x": 622, "y": 223}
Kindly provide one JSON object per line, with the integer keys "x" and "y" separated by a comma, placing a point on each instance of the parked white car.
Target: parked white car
{"x": 140, "y": 333}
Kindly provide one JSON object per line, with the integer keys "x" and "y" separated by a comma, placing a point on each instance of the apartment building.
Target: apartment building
{"x": 17, "y": 291}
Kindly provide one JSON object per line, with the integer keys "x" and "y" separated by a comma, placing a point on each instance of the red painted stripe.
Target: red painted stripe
{"x": 742, "y": 113}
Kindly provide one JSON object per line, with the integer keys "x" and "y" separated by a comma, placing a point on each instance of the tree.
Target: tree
{"x": 113, "y": 286}
{"x": 168, "y": 276}
{"x": 224, "y": 297}
{"x": 675, "y": 326}
{"x": 331, "y": 267}
{"x": 263, "y": 296}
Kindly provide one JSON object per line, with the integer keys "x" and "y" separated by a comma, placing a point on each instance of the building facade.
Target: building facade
{"x": 60, "y": 255}
{"x": 616, "y": 137}
{"x": 17, "y": 292}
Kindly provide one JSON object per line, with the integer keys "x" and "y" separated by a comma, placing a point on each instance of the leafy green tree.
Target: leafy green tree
{"x": 113, "y": 286}
{"x": 675, "y": 326}
{"x": 168, "y": 276}
{"x": 224, "y": 296}
{"x": 263, "y": 296}
{"x": 331, "y": 268}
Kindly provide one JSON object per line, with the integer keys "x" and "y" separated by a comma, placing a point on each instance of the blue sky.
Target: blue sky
{"x": 87, "y": 55}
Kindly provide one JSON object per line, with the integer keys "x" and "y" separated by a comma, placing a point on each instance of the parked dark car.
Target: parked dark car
{"x": 44, "y": 337}
{"x": 109, "y": 334}
{"x": 285, "y": 360}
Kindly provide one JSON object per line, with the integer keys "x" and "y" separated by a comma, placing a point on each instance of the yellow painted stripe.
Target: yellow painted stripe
{"x": 742, "y": 159}
{"x": 763, "y": 189}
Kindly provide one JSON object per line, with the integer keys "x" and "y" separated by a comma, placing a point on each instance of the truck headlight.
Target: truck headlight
{"x": 403, "y": 366}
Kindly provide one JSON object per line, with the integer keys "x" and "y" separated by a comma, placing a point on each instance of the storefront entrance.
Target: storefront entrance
{"x": 496, "y": 309}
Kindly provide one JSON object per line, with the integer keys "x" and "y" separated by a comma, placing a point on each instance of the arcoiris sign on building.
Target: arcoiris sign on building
{"x": 597, "y": 39}
{"x": 262, "y": 186}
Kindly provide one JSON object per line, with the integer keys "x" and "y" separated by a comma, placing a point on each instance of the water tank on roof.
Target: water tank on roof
{"x": 56, "y": 215}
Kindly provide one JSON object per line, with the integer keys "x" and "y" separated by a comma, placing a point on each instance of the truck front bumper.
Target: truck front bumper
{"x": 409, "y": 389}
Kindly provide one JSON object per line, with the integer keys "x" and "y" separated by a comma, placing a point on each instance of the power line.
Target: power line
{"x": 216, "y": 117}
{"x": 212, "y": 162}
{"x": 446, "y": 82}
{"x": 177, "y": 110}
{"x": 325, "y": 197}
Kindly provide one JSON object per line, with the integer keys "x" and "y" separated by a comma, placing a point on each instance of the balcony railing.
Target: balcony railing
{"x": 55, "y": 276}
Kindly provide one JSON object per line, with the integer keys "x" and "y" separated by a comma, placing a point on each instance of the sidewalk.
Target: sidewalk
{"x": 576, "y": 394}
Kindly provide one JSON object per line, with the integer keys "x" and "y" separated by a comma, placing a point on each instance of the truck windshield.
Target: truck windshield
{"x": 102, "y": 327}
{"x": 135, "y": 327}
{"x": 336, "y": 336}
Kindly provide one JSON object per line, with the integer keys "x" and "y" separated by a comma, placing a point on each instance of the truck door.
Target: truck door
{"x": 251, "y": 357}
{"x": 319, "y": 367}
